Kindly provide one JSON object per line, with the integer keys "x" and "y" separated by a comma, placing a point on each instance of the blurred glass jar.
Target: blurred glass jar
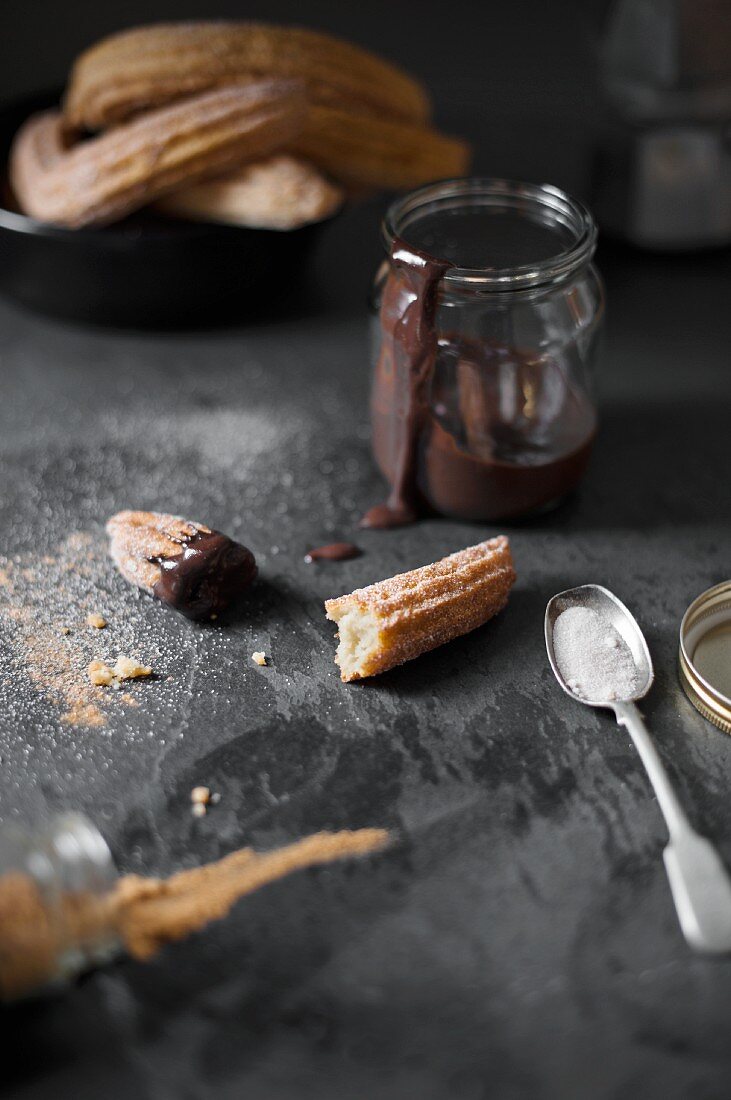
{"x": 510, "y": 417}
{"x": 54, "y": 920}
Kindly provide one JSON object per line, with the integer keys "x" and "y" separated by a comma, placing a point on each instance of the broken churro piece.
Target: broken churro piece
{"x": 402, "y": 617}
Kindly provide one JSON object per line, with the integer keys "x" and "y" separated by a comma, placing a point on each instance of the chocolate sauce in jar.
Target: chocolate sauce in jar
{"x": 505, "y": 433}
{"x": 471, "y": 429}
{"x": 206, "y": 576}
{"x": 481, "y": 406}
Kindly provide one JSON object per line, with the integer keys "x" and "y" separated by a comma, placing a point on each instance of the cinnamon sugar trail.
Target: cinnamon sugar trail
{"x": 152, "y": 912}
{"x": 144, "y": 914}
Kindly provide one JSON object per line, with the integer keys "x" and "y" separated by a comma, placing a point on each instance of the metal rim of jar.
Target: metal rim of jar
{"x": 708, "y": 701}
{"x": 557, "y": 208}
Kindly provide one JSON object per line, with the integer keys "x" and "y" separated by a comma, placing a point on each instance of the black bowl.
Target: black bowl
{"x": 147, "y": 271}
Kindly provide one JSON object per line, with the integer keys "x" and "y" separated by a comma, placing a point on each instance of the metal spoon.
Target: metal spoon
{"x": 699, "y": 882}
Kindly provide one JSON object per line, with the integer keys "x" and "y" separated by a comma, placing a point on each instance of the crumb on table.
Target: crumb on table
{"x": 126, "y": 668}
{"x": 259, "y": 658}
{"x": 96, "y": 620}
{"x": 100, "y": 673}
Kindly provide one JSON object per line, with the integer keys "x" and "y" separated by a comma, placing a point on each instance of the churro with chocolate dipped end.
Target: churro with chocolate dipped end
{"x": 103, "y": 179}
{"x": 361, "y": 150}
{"x": 282, "y": 193}
{"x": 398, "y": 619}
{"x": 187, "y": 565}
{"x": 145, "y": 67}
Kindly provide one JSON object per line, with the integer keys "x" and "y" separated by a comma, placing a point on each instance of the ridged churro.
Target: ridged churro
{"x": 360, "y": 150}
{"x": 398, "y": 619}
{"x": 145, "y": 67}
{"x": 282, "y": 192}
{"x": 101, "y": 180}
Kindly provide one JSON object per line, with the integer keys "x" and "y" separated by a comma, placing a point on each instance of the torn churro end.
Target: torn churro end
{"x": 397, "y": 619}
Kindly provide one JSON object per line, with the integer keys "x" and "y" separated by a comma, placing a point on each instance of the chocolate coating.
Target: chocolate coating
{"x": 206, "y": 576}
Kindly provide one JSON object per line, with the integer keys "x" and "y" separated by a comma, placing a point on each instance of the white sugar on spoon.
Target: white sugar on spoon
{"x": 594, "y": 659}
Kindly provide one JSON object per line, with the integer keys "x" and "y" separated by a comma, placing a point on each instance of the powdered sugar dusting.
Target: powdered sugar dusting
{"x": 593, "y": 658}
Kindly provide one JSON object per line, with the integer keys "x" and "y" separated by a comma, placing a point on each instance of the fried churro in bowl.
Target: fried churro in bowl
{"x": 191, "y": 163}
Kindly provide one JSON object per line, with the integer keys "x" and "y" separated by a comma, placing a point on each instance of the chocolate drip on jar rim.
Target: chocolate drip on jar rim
{"x": 209, "y": 573}
{"x": 334, "y": 551}
{"x": 409, "y": 347}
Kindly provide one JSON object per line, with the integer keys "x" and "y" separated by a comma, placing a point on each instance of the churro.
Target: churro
{"x": 404, "y": 616}
{"x": 190, "y": 567}
{"x": 145, "y": 67}
{"x": 360, "y": 150}
{"x": 282, "y": 192}
{"x": 105, "y": 178}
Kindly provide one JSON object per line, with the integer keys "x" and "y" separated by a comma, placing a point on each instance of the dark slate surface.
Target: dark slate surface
{"x": 519, "y": 938}
{"x": 518, "y": 941}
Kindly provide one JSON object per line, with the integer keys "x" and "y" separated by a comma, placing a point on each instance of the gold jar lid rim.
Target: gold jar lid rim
{"x": 709, "y": 609}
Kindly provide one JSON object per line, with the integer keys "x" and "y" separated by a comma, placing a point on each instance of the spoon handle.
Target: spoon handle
{"x": 700, "y": 885}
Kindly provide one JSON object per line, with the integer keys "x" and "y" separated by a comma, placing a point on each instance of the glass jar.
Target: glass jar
{"x": 508, "y": 417}
{"x": 54, "y": 922}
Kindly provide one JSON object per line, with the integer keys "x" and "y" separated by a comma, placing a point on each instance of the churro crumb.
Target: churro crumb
{"x": 100, "y": 674}
{"x": 127, "y": 668}
{"x": 96, "y": 620}
{"x": 259, "y": 658}
{"x": 198, "y": 809}
{"x": 65, "y": 629}
{"x": 200, "y": 795}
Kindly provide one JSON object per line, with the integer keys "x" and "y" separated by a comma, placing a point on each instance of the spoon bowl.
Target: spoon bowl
{"x": 601, "y": 600}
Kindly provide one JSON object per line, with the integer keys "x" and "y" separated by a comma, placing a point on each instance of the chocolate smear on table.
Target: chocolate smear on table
{"x": 334, "y": 551}
{"x": 409, "y": 341}
{"x": 210, "y": 572}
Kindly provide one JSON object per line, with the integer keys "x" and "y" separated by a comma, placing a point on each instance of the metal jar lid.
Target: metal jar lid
{"x": 705, "y": 654}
